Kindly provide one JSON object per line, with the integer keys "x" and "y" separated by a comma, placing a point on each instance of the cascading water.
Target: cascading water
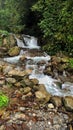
{"x": 31, "y": 42}
{"x": 33, "y": 63}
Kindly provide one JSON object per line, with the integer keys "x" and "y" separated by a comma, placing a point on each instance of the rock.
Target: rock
{"x": 55, "y": 60}
{"x": 68, "y": 103}
{"x": 26, "y": 82}
{"x": 9, "y": 41}
{"x": 22, "y": 109}
{"x": 5, "y": 41}
{"x": 35, "y": 81}
{"x": 23, "y": 58}
{"x": 42, "y": 94}
{"x": 16, "y": 73}
{"x": 2, "y": 127}
{"x": 12, "y": 40}
{"x": 7, "y": 68}
{"x": 2, "y": 82}
{"x": 1, "y": 69}
{"x": 14, "y": 51}
{"x": 42, "y": 62}
{"x": 28, "y": 72}
{"x": 50, "y": 105}
{"x": 17, "y": 84}
{"x": 65, "y": 59}
{"x": 27, "y": 90}
{"x": 11, "y": 80}
{"x": 27, "y": 95}
{"x": 56, "y": 100}
{"x": 58, "y": 84}
{"x": 48, "y": 71}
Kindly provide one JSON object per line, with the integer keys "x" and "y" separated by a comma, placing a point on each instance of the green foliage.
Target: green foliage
{"x": 3, "y": 100}
{"x": 10, "y": 16}
{"x": 56, "y": 22}
{"x": 3, "y": 32}
{"x": 71, "y": 62}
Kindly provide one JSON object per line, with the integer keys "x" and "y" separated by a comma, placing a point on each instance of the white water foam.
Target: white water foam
{"x": 31, "y": 42}
{"x": 40, "y": 58}
{"x": 12, "y": 60}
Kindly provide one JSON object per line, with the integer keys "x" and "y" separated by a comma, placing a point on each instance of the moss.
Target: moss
{"x": 4, "y": 100}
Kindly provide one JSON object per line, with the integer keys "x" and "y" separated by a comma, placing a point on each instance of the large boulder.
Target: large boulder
{"x": 42, "y": 95}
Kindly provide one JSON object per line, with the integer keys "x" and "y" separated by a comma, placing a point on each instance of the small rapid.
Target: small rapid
{"x": 33, "y": 62}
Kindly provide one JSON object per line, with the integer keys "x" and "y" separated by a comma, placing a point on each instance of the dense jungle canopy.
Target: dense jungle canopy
{"x": 50, "y": 20}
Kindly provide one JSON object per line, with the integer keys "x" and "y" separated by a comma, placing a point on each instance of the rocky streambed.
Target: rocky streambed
{"x": 32, "y": 106}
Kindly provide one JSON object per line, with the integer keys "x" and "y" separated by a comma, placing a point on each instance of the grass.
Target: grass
{"x": 4, "y": 100}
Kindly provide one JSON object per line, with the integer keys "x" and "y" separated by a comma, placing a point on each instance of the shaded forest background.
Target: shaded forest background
{"x": 50, "y": 20}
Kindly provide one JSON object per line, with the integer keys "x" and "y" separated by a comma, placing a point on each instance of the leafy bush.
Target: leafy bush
{"x": 56, "y": 23}
{"x": 3, "y": 32}
{"x": 71, "y": 62}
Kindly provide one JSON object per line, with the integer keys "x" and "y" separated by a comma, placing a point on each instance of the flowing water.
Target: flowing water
{"x": 34, "y": 57}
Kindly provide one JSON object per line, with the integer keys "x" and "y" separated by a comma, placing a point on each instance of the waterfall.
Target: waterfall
{"x": 33, "y": 62}
{"x": 20, "y": 43}
{"x": 31, "y": 42}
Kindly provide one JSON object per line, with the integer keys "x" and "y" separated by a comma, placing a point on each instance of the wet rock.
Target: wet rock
{"x": 48, "y": 71}
{"x": 23, "y": 58}
{"x": 14, "y": 51}
{"x": 58, "y": 84}
{"x": 67, "y": 85}
{"x": 35, "y": 81}
{"x": 56, "y": 100}
{"x": 65, "y": 79}
{"x": 68, "y": 103}
{"x": 42, "y": 62}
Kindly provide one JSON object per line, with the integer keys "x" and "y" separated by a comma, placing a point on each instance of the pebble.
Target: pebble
{"x": 51, "y": 106}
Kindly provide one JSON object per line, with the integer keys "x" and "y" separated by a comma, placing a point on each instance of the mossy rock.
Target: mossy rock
{"x": 14, "y": 51}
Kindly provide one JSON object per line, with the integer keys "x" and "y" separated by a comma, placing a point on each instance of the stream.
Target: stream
{"x": 34, "y": 56}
